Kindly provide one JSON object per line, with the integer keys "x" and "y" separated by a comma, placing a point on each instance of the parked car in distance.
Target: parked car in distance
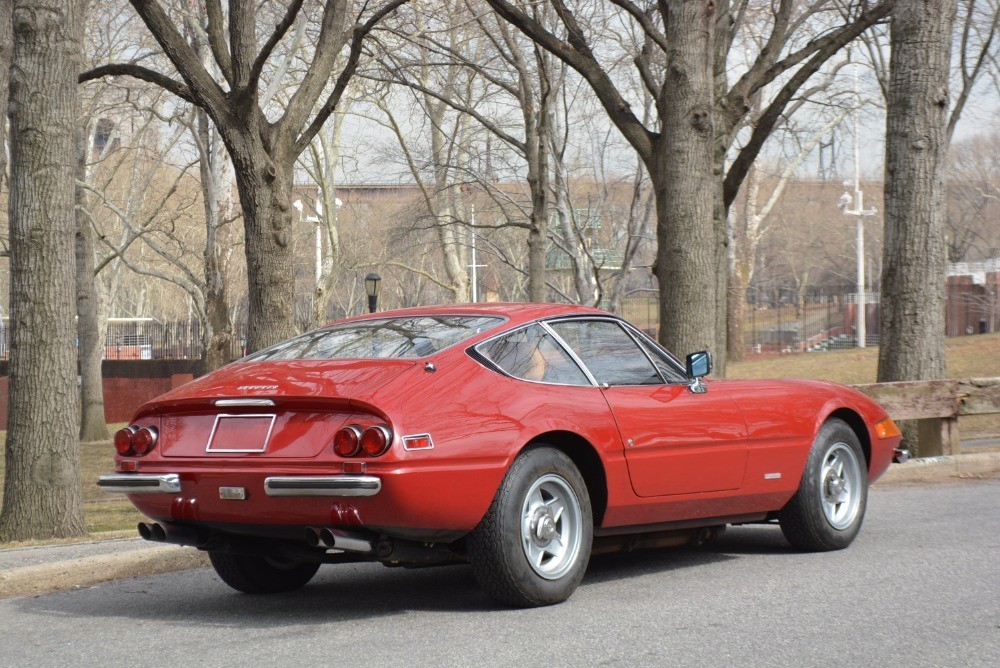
{"x": 520, "y": 438}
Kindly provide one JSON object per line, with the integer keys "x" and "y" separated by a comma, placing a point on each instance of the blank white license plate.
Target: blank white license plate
{"x": 240, "y": 433}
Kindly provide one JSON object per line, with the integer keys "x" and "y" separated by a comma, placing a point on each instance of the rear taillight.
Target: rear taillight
{"x": 376, "y": 440}
{"x": 347, "y": 441}
{"x": 135, "y": 440}
{"x": 123, "y": 441}
{"x": 144, "y": 440}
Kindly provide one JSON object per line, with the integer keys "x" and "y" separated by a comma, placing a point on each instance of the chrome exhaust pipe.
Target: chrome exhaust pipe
{"x": 348, "y": 542}
{"x": 147, "y": 531}
{"x": 312, "y": 537}
{"x": 159, "y": 533}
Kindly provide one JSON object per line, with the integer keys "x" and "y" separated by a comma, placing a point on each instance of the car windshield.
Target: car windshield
{"x": 414, "y": 336}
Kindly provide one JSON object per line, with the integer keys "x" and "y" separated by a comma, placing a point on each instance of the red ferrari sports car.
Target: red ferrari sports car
{"x": 520, "y": 438}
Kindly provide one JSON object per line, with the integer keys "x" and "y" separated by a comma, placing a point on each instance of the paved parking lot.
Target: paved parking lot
{"x": 920, "y": 587}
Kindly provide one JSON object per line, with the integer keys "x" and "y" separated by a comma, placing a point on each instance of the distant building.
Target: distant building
{"x": 972, "y": 297}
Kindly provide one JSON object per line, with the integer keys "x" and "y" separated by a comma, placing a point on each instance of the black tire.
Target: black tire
{"x": 827, "y": 510}
{"x": 253, "y": 574}
{"x": 498, "y": 550}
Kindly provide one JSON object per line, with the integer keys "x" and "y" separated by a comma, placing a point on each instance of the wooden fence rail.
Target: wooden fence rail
{"x": 936, "y": 405}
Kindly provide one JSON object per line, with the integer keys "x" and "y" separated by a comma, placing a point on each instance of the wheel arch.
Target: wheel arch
{"x": 860, "y": 429}
{"x": 586, "y": 459}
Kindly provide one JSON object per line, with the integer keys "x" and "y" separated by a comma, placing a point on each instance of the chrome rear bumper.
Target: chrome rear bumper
{"x": 900, "y": 455}
{"x": 170, "y": 483}
{"x": 327, "y": 485}
{"x": 137, "y": 483}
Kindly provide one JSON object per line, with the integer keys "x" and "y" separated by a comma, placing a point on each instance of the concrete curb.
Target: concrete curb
{"x": 76, "y": 573}
{"x": 937, "y": 469}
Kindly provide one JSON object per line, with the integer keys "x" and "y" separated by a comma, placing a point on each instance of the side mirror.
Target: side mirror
{"x": 699, "y": 364}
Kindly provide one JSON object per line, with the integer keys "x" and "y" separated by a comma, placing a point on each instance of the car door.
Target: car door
{"x": 676, "y": 441}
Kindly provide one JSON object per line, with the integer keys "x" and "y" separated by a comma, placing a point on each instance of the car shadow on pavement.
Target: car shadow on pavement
{"x": 355, "y": 591}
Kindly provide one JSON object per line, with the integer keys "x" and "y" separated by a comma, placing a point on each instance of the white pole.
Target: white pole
{"x": 319, "y": 251}
{"x": 859, "y": 207}
{"x": 475, "y": 268}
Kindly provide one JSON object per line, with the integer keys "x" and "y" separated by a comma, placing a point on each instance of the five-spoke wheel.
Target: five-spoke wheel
{"x": 533, "y": 546}
{"x": 827, "y": 511}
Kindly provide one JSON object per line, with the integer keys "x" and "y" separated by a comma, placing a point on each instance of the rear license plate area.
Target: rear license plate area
{"x": 240, "y": 433}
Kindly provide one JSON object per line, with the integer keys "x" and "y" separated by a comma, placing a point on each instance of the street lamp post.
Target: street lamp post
{"x": 860, "y": 212}
{"x": 373, "y": 285}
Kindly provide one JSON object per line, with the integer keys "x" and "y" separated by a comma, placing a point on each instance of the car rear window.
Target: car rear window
{"x": 415, "y": 336}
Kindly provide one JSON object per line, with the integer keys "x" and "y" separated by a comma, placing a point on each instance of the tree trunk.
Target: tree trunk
{"x": 88, "y": 308}
{"x": 42, "y": 494}
{"x": 682, "y": 178}
{"x": 912, "y": 312}
{"x": 264, "y": 183}
{"x": 6, "y": 53}
{"x": 217, "y": 333}
{"x": 538, "y": 183}
{"x": 912, "y": 309}
{"x": 736, "y": 341}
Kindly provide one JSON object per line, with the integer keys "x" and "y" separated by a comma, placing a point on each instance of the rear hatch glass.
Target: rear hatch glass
{"x": 382, "y": 338}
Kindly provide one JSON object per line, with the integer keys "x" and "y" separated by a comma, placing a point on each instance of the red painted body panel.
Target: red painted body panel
{"x": 694, "y": 455}
{"x": 678, "y": 441}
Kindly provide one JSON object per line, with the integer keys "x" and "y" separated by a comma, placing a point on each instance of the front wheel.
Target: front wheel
{"x": 827, "y": 511}
{"x": 252, "y": 574}
{"x": 533, "y": 545}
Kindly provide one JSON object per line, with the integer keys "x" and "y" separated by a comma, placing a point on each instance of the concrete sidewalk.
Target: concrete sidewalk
{"x": 36, "y": 570}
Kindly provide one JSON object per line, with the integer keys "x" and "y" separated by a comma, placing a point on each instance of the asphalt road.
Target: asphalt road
{"x": 920, "y": 587}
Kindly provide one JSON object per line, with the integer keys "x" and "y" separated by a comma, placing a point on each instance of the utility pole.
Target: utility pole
{"x": 474, "y": 284}
{"x": 859, "y": 212}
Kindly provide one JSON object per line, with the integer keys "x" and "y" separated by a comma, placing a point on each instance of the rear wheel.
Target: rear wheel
{"x": 827, "y": 511}
{"x": 533, "y": 546}
{"x": 254, "y": 574}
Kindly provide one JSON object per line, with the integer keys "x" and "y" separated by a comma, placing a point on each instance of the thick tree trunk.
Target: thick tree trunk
{"x": 912, "y": 317}
{"x": 88, "y": 309}
{"x": 265, "y": 186}
{"x": 687, "y": 245}
{"x": 42, "y": 494}
{"x": 912, "y": 309}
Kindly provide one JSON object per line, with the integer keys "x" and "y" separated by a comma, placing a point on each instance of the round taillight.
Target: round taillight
{"x": 347, "y": 441}
{"x": 123, "y": 441}
{"x": 143, "y": 440}
{"x": 375, "y": 441}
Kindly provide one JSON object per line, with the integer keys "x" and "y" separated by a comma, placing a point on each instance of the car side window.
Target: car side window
{"x": 531, "y": 354}
{"x": 611, "y": 355}
{"x": 666, "y": 366}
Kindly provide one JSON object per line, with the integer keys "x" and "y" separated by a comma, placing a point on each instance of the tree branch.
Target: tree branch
{"x": 216, "y": 40}
{"x": 577, "y": 54}
{"x": 139, "y": 72}
{"x": 204, "y": 90}
{"x": 359, "y": 33}
{"x": 272, "y": 41}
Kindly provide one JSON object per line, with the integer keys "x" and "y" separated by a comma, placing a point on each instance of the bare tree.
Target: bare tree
{"x": 684, "y": 64}
{"x": 973, "y": 199}
{"x": 263, "y": 151}
{"x": 42, "y": 494}
{"x": 6, "y": 54}
{"x": 911, "y": 320}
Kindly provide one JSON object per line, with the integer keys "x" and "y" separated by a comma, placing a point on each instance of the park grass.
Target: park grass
{"x": 968, "y": 357}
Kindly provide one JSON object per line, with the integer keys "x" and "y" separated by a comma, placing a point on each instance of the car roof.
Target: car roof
{"x": 514, "y": 312}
